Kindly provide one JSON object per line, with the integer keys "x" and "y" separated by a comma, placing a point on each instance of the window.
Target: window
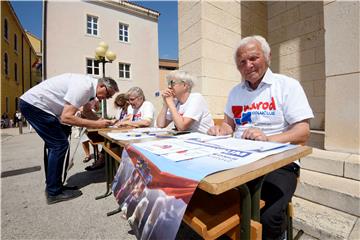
{"x": 6, "y": 64}
{"x": 16, "y": 73}
{"x": 123, "y": 32}
{"x": 92, "y": 25}
{"x": 124, "y": 70}
{"x": 15, "y": 42}
{"x": 92, "y": 67}
{"x": 6, "y": 29}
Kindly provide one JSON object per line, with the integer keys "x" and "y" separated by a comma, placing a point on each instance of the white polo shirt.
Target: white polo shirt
{"x": 52, "y": 94}
{"x": 278, "y": 102}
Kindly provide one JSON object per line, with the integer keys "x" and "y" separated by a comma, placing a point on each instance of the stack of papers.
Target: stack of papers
{"x": 247, "y": 145}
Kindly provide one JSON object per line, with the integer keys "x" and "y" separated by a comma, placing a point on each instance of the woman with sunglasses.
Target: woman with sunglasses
{"x": 140, "y": 112}
{"x": 188, "y": 111}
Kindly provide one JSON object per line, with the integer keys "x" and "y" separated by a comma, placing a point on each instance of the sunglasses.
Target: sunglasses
{"x": 172, "y": 83}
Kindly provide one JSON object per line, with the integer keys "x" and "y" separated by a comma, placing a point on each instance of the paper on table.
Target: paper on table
{"x": 195, "y": 136}
{"x": 189, "y": 154}
{"x": 247, "y": 145}
{"x": 128, "y": 136}
{"x": 166, "y": 146}
{"x": 150, "y": 130}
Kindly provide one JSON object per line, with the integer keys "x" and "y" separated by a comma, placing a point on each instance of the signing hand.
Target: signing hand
{"x": 103, "y": 123}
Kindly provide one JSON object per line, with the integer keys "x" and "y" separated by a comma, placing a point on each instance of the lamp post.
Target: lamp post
{"x": 104, "y": 56}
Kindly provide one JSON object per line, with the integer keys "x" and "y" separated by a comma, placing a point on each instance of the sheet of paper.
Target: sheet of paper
{"x": 247, "y": 145}
{"x": 190, "y": 154}
{"x": 166, "y": 146}
{"x": 200, "y": 137}
{"x": 126, "y": 136}
{"x": 150, "y": 130}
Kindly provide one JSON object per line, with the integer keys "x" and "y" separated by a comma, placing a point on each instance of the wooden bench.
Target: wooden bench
{"x": 211, "y": 216}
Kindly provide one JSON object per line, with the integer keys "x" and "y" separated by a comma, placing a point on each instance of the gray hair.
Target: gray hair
{"x": 182, "y": 76}
{"x": 109, "y": 83}
{"x": 138, "y": 91}
{"x": 263, "y": 44}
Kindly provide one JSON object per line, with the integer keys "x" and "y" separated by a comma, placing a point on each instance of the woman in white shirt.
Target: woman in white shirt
{"x": 140, "y": 112}
{"x": 188, "y": 111}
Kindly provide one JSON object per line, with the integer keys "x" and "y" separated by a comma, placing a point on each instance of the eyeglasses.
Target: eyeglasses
{"x": 172, "y": 83}
{"x": 133, "y": 99}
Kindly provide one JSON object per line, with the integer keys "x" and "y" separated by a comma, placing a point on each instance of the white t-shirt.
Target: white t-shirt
{"x": 145, "y": 112}
{"x": 195, "y": 108}
{"x": 278, "y": 102}
{"x": 52, "y": 94}
{"x": 120, "y": 114}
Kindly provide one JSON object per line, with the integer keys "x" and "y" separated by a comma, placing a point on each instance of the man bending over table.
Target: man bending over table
{"x": 50, "y": 108}
{"x": 267, "y": 107}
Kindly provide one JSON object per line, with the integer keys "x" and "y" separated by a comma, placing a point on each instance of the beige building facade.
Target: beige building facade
{"x": 74, "y": 29}
{"x": 315, "y": 42}
{"x": 166, "y": 66}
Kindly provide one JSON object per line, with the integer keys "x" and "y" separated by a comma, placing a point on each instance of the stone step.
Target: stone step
{"x": 335, "y": 163}
{"x": 332, "y": 191}
{"x": 323, "y": 222}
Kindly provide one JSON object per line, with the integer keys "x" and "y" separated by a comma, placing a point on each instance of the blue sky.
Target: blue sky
{"x": 30, "y": 16}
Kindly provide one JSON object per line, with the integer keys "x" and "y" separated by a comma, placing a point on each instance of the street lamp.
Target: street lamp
{"x": 104, "y": 56}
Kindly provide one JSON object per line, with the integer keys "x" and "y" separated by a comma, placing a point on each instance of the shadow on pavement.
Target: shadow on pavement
{"x": 85, "y": 178}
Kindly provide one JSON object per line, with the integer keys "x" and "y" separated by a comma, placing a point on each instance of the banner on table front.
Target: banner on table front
{"x": 152, "y": 201}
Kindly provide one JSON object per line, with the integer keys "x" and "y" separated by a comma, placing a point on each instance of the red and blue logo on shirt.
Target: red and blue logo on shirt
{"x": 242, "y": 114}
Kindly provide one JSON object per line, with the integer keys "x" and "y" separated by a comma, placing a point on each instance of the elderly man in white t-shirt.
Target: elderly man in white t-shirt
{"x": 267, "y": 107}
{"x": 50, "y": 107}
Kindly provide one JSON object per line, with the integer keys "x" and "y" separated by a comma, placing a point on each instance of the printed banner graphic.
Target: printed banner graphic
{"x": 153, "y": 201}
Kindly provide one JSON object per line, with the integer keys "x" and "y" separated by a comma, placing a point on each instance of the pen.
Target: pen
{"x": 182, "y": 151}
{"x": 164, "y": 136}
{"x": 133, "y": 135}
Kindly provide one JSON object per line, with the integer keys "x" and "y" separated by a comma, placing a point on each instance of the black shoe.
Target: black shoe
{"x": 64, "y": 196}
{"x": 95, "y": 166}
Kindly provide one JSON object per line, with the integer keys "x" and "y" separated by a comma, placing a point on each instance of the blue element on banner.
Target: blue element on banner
{"x": 236, "y": 153}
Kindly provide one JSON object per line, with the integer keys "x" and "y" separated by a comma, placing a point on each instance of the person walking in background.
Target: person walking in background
{"x": 140, "y": 112}
{"x": 267, "y": 107}
{"x": 5, "y": 121}
{"x": 50, "y": 108}
{"x": 189, "y": 111}
{"x": 18, "y": 118}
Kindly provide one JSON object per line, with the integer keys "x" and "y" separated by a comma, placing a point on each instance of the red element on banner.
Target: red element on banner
{"x": 172, "y": 185}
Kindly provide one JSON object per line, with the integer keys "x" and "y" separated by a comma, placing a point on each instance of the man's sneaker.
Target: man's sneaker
{"x": 64, "y": 196}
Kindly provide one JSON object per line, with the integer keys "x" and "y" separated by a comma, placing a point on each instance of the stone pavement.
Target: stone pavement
{"x": 24, "y": 212}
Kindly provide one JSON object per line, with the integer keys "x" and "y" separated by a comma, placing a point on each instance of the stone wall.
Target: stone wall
{"x": 296, "y": 36}
{"x": 208, "y": 33}
{"x": 342, "y": 76}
